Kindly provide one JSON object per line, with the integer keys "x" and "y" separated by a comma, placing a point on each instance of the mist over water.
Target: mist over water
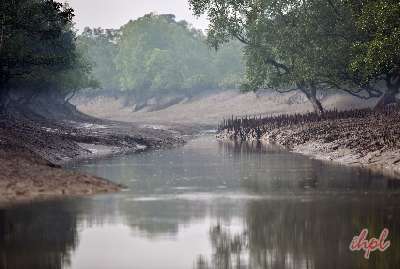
{"x": 208, "y": 205}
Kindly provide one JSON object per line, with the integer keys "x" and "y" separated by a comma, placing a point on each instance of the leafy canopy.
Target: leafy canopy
{"x": 37, "y": 48}
{"x": 377, "y": 51}
{"x": 156, "y": 54}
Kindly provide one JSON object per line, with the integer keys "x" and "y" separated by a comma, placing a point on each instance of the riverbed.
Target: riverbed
{"x": 209, "y": 204}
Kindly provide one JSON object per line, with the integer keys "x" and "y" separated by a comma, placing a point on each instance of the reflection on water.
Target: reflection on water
{"x": 303, "y": 234}
{"x": 209, "y": 205}
{"x": 37, "y": 237}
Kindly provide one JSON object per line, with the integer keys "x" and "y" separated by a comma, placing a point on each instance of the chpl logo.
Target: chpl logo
{"x": 360, "y": 242}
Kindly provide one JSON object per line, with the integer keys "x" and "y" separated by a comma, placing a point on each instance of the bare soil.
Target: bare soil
{"x": 364, "y": 138}
{"x": 25, "y": 177}
{"x": 350, "y": 141}
{"x": 33, "y": 150}
{"x": 210, "y": 109}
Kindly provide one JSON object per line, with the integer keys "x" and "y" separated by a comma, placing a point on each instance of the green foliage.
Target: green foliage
{"x": 228, "y": 63}
{"x": 156, "y": 54}
{"x": 377, "y": 51}
{"x": 99, "y": 47}
{"x": 31, "y": 33}
{"x": 161, "y": 69}
{"x": 37, "y": 49}
{"x": 312, "y": 45}
{"x": 287, "y": 42}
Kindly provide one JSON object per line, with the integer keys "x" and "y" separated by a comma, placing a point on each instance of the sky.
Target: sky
{"x": 115, "y": 13}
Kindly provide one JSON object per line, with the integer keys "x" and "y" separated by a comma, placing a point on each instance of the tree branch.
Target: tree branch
{"x": 276, "y": 64}
{"x": 286, "y": 91}
{"x": 371, "y": 91}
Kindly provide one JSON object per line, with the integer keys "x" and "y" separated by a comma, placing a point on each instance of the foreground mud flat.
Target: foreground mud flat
{"x": 358, "y": 137}
{"x": 31, "y": 152}
{"x": 25, "y": 176}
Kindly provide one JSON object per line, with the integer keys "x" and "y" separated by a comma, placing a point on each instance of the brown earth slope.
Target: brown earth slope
{"x": 31, "y": 151}
{"x": 26, "y": 176}
{"x": 359, "y": 137}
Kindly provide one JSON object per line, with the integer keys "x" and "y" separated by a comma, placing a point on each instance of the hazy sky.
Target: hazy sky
{"x": 115, "y": 13}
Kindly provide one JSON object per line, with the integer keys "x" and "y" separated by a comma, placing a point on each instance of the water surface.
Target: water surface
{"x": 209, "y": 205}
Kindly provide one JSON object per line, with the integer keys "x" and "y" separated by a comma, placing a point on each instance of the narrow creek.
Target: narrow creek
{"x": 209, "y": 204}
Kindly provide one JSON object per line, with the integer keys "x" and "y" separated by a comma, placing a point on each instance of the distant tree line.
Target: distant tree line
{"x": 288, "y": 45}
{"x": 156, "y": 55}
{"x": 313, "y": 45}
{"x": 39, "y": 58}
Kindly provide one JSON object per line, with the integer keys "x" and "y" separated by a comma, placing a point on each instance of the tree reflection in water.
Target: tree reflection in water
{"x": 36, "y": 237}
{"x": 268, "y": 209}
{"x": 309, "y": 215}
{"x": 269, "y": 168}
{"x": 301, "y": 233}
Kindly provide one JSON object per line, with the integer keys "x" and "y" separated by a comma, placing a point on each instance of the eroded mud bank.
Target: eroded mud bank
{"x": 360, "y": 137}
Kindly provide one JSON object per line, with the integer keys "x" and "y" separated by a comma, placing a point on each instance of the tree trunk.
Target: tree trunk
{"x": 392, "y": 89}
{"x": 389, "y": 97}
{"x": 311, "y": 95}
{"x": 316, "y": 105}
{"x": 67, "y": 99}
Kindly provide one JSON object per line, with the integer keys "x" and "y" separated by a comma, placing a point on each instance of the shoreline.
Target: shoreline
{"x": 383, "y": 163}
{"x": 317, "y": 150}
{"x": 32, "y": 154}
{"x": 362, "y": 138}
{"x": 27, "y": 177}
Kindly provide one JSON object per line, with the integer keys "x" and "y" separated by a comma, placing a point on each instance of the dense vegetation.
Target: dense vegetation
{"x": 156, "y": 55}
{"x": 313, "y": 45}
{"x": 38, "y": 56}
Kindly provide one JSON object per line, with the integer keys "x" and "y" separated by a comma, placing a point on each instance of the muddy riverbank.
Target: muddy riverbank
{"x": 33, "y": 150}
{"x": 25, "y": 176}
{"x": 364, "y": 138}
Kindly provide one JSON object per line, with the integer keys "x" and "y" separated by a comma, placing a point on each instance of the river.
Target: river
{"x": 209, "y": 204}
